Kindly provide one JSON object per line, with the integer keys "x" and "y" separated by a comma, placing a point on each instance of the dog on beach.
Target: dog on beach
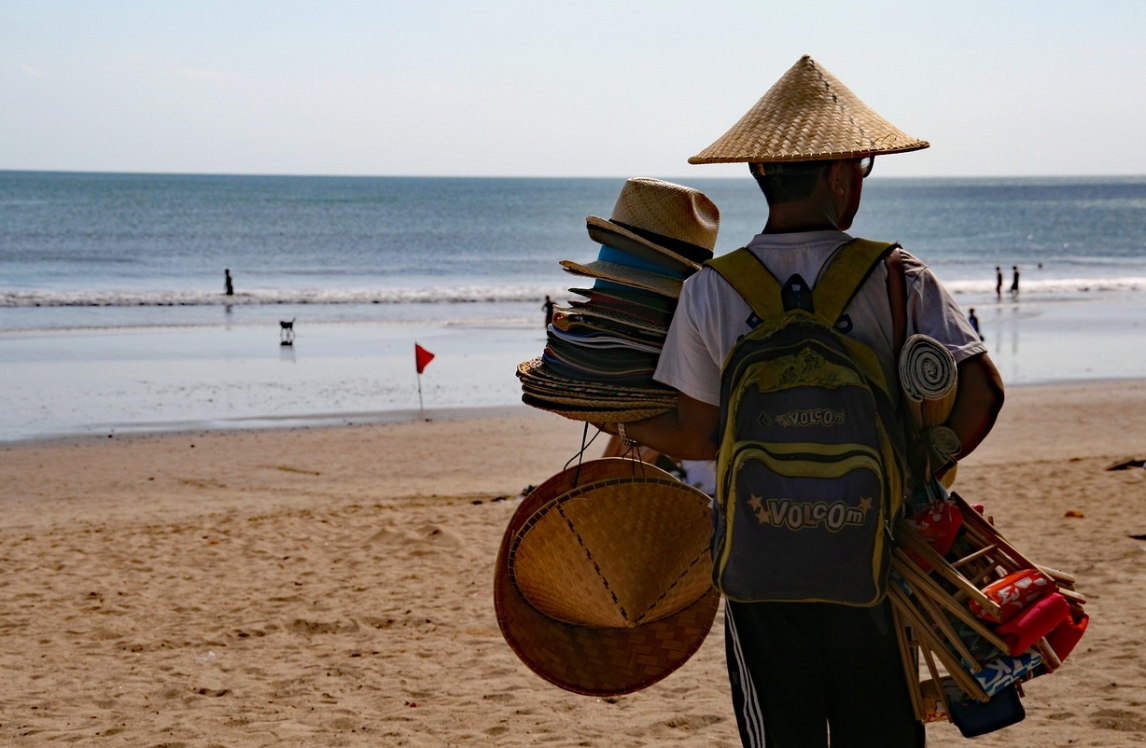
{"x": 286, "y": 331}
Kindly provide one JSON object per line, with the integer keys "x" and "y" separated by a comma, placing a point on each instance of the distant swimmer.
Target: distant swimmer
{"x": 998, "y": 282}
{"x": 974, "y": 323}
{"x": 1015, "y": 279}
{"x": 228, "y": 284}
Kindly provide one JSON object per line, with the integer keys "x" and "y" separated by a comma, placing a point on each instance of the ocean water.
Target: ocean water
{"x": 112, "y": 316}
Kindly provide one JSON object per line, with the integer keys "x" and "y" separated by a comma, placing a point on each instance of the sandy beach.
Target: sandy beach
{"x": 332, "y": 586}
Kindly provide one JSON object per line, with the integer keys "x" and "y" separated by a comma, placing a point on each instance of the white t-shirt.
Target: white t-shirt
{"x": 711, "y": 316}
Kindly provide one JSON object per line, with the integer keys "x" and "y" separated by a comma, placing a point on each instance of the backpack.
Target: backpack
{"x": 811, "y": 467}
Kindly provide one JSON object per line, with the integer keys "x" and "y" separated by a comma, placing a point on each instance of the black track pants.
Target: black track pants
{"x": 800, "y": 671}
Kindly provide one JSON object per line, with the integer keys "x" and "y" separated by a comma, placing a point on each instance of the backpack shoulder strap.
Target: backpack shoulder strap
{"x": 844, "y": 275}
{"x": 748, "y": 276}
{"x": 897, "y": 298}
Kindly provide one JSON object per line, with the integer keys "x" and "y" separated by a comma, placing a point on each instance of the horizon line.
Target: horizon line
{"x": 293, "y": 175}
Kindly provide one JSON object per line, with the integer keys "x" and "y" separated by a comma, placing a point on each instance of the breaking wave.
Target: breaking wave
{"x": 255, "y": 297}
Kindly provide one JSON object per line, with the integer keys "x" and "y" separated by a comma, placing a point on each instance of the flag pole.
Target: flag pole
{"x": 421, "y": 358}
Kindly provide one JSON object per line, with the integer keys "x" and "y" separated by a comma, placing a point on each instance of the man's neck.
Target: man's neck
{"x": 796, "y": 217}
{"x": 799, "y": 215}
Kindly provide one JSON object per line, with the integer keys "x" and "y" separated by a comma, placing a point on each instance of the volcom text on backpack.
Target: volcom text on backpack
{"x": 809, "y": 473}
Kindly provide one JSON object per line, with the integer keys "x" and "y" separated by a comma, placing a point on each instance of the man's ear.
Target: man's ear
{"x": 836, "y": 177}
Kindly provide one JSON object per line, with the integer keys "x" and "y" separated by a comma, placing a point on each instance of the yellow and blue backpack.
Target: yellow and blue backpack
{"x": 811, "y": 467}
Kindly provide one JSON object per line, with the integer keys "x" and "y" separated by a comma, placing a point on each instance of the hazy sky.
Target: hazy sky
{"x": 551, "y": 88}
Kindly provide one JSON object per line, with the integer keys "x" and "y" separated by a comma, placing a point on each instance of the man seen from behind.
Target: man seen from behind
{"x": 803, "y": 671}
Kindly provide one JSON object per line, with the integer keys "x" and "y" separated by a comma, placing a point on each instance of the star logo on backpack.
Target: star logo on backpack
{"x": 758, "y": 508}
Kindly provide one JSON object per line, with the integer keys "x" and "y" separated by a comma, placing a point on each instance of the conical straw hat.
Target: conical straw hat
{"x": 603, "y": 582}
{"x": 808, "y": 115}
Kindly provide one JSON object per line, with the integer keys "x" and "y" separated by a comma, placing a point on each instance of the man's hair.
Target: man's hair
{"x": 788, "y": 181}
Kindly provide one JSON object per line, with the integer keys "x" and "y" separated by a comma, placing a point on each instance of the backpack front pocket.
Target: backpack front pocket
{"x": 797, "y": 517}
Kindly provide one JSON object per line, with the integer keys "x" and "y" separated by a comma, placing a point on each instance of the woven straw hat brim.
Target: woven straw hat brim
{"x": 606, "y": 395}
{"x": 596, "y": 413}
{"x": 808, "y": 115}
{"x": 597, "y": 402}
{"x": 590, "y": 392}
{"x": 589, "y": 401}
{"x": 603, "y": 400}
{"x": 599, "y": 660}
{"x": 603, "y": 231}
{"x": 642, "y": 279}
{"x": 613, "y": 397}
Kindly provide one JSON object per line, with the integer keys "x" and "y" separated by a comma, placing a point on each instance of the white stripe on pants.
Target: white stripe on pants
{"x": 752, "y": 716}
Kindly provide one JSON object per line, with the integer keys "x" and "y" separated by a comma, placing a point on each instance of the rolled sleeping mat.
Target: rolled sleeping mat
{"x": 929, "y": 378}
{"x": 943, "y": 448}
{"x": 943, "y": 445}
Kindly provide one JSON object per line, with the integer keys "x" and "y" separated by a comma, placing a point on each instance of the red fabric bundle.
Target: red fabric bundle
{"x": 1034, "y": 623}
{"x": 938, "y": 523}
{"x": 1065, "y": 635}
{"x": 1012, "y": 593}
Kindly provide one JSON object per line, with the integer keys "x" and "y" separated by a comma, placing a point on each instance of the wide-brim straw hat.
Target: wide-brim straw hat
{"x": 595, "y": 402}
{"x": 603, "y": 580}
{"x": 660, "y": 221}
{"x": 597, "y": 410}
{"x": 808, "y": 115}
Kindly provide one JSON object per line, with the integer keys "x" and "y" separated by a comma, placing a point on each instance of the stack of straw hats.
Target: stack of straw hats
{"x": 603, "y": 584}
{"x": 602, "y": 350}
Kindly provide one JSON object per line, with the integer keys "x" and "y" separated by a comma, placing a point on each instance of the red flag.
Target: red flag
{"x": 422, "y": 357}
